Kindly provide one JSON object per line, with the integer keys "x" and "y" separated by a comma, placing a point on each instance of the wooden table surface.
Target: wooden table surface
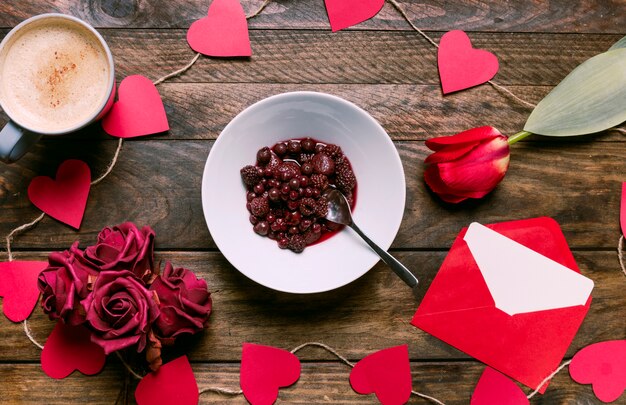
{"x": 389, "y": 70}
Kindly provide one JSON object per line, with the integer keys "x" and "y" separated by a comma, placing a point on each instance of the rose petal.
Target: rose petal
{"x": 473, "y": 135}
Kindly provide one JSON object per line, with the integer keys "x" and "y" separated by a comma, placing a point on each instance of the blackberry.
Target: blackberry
{"x": 344, "y": 178}
{"x": 333, "y": 151}
{"x": 321, "y": 207}
{"x": 320, "y": 181}
{"x": 250, "y": 175}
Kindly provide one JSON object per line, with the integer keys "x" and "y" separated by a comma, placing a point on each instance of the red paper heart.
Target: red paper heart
{"x": 223, "y": 32}
{"x": 495, "y": 388}
{"x": 70, "y": 348}
{"x": 460, "y": 65}
{"x": 604, "y": 366}
{"x": 173, "y": 383}
{"x": 138, "y": 111}
{"x": 265, "y": 369}
{"x": 386, "y": 373}
{"x": 18, "y": 286}
{"x": 65, "y": 197}
{"x": 346, "y": 13}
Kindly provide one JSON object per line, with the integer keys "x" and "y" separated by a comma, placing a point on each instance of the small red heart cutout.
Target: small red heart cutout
{"x": 172, "y": 383}
{"x": 70, "y": 348}
{"x": 495, "y": 388}
{"x": 223, "y": 32}
{"x": 346, "y": 13}
{"x": 604, "y": 366}
{"x": 265, "y": 369}
{"x": 65, "y": 197}
{"x": 138, "y": 111}
{"x": 18, "y": 286}
{"x": 460, "y": 65}
{"x": 386, "y": 373}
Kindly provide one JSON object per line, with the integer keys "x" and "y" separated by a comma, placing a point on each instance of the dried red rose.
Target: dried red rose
{"x": 125, "y": 247}
{"x": 120, "y": 311}
{"x": 64, "y": 283}
{"x": 185, "y": 302}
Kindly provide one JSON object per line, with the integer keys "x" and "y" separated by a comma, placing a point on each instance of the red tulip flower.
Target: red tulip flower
{"x": 467, "y": 165}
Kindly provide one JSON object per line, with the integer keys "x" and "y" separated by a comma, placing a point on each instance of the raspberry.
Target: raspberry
{"x": 333, "y": 151}
{"x": 323, "y": 164}
{"x": 320, "y": 181}
{"x": 259, "y": 207}
{"x": 297, "y": 243}
{"x": 250, "y": 175}
{"x": 311, "y": 237}
{"x": 345, "y": 179}
{"x": 307, "y": 206}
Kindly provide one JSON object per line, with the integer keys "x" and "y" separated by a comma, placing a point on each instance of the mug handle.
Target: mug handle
{"x": 15, "y": 142}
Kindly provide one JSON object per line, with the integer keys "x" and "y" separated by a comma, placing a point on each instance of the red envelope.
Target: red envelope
{"x": 459, "y": 309}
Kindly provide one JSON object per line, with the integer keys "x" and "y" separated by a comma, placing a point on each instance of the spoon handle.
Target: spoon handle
{"x": 391, "y": 261}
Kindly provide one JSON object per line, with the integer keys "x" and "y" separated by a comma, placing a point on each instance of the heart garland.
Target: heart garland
{"x": 460, "y": 65}
{"x": 603, "y": 365}
{"x": 18, "y": 286}
{"x": 223, "y": 32}
{"x": 386, "y": 373}
{"x": 264, "y": 370}
{"x": 69, "y": 348}
{"x": 173, "y": 383}
{"x": 138, "y": 111}
{"x": 65, "y": 197}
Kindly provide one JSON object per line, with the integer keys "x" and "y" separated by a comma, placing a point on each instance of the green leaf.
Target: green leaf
{"x": 619, "y": 44}
{"x": 590, "y": 99}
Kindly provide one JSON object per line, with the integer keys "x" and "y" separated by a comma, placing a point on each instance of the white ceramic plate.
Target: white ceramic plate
{"x": 380, "y": 199}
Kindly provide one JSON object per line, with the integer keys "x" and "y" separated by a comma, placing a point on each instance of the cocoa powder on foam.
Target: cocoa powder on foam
{"x": 54, "y": 75}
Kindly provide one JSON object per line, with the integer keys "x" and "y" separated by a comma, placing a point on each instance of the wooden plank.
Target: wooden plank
{"x": 373, "y": 57}
{"x": 490, "y": 15}
{"x": 368, "y": 315}
{"x": 158, "y": 183}
{"x": 352, "y": 57}
{"x": 407, "y": 112}
{"x": 451, "y": 383}
{"x": 27, "y": 384}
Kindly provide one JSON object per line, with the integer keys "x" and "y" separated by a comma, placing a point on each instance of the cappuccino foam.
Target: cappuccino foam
{"x": 54, "y": 75}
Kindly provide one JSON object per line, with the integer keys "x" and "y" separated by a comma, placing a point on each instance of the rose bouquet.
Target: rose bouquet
{"x": 115, "y": 289}
{"x": 590, "y": 99}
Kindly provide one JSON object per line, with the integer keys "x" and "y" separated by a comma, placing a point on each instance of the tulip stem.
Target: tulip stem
{"x": 518, "y": 137}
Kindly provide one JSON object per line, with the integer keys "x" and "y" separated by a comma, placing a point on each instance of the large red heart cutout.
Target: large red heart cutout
{"x": 386, "y": 373}
{"x": 65, "y": 197}
{"x": 70, "y": 348}
{"x": 18, "y": 286}
{"x": 223, "y": 32}
{"x": 172, "y": 383}
{"x": 346, "y": 13}
{"x": 495, "y": 388}
{"x": 604, "y": 366}
{"x": 265, "y": 369}
{"x": 460, "y": 65}
{"x": 138, "y": 111}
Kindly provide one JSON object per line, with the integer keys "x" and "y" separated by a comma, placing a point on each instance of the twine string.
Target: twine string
{"x": 548, "y": 378}
{"x": 30, "y": 336}
{"x": 432, "y": 41}
{"x": 620, "y": 254}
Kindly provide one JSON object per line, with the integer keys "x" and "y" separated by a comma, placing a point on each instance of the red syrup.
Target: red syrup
{"x": 285, "y": 186}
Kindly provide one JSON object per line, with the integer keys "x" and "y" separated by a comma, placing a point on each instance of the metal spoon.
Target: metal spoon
{"x": 339, "y": 212}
